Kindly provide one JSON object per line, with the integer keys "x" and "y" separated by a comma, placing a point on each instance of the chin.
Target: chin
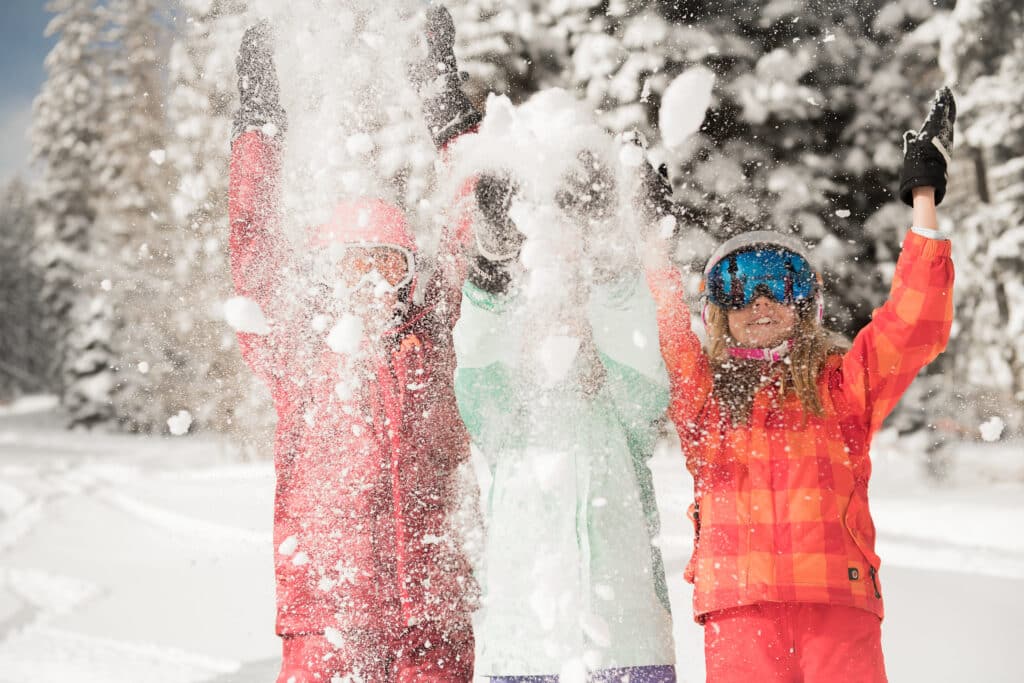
{"x": 765, "y": 342}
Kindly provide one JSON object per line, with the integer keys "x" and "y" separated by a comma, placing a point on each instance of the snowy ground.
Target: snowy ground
{"x": 128, "y": 560}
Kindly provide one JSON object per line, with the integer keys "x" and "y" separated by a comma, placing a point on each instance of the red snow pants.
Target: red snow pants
{"x": 793, "y": 643}
{"x": 419, "y": 655}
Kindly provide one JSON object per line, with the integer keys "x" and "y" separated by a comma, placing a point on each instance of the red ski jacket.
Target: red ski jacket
{"x": 365, "y": 470}
{"x": 781, "y": 503}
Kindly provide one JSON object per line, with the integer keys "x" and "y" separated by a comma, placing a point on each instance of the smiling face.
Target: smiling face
{"x": 371, "y": 278}
{"x": 764, "y": 323}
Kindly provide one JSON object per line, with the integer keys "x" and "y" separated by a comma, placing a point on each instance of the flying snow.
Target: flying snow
{"x": 684, "y": 104}
{"x": 180, "y": 424}
{"x": 245, "y": 315}
{"x": 992, "y": 428}
{"x": 346, "y": 335}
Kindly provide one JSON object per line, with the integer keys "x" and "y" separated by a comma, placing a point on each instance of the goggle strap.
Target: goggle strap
{"x": 776, "y": 354}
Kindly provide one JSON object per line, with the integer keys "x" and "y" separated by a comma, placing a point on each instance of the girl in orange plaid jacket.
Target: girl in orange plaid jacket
{"x": 775, "y": 421}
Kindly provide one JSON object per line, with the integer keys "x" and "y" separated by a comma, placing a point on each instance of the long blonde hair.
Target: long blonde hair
{"x": 737, "y": 380}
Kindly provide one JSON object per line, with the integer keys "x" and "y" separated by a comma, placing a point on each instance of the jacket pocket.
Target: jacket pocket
{"x": 693, "y": 512}
{"x": 862, "y": 531}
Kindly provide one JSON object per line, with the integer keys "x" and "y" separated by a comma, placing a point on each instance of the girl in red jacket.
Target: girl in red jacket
{"x": 776, "y": 420}
{"x": 371, "y": 582}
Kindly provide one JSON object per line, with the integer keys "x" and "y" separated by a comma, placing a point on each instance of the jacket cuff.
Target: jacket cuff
{"x": 925, "y": 246}
{"x": 930, "y": 233}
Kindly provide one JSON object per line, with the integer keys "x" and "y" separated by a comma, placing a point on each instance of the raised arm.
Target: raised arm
{"x": 447, "y": 110}
{"x": 907, "y": 332}
{"x": 480, "y": 243}
{"x": 689, "y": 371}
{"x": 259, "y": 250}
{"x": 913, "y": 326}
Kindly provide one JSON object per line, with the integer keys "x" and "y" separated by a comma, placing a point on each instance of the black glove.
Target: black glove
{"x": 587, "y": 190}
{"x": 926, "y": 152}
{"x": 448, "y": 111}
{"x": 497, "y": 236}
{"x": 653, "y": 198}
{"x": 493, "y": 277}
{"x": 258, "y": 90}
{"x": 497, "y": 240}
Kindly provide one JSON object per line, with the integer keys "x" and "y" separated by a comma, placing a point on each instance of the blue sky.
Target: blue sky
{"x": 22, "y": 50}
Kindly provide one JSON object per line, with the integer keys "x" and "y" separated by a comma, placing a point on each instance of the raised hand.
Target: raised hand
{"x": 441, "y": 40}
{"x": 497, "y": 237}
{"x": 258, "y": 88}
{"x": 926, "y": 152}
{"x": 448, "y": 111}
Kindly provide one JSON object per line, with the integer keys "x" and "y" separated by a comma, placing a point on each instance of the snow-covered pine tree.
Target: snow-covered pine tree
{"x": 132, "y": 209}
{"x": 214, "y": 385}
{"x": 519, "y": 47}
{"x": 983, "y": 54}
{"x": 801, "y": 136}
{"x": 65, "y": 131}
{"x": 23, "y": 348}
{"x": 803, "y": 132}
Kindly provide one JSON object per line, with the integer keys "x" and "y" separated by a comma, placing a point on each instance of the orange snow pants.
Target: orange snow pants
{"x": 793, "y": 643}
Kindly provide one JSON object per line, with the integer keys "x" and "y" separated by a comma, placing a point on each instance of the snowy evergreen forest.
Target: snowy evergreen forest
{"x": 113, "y": 254}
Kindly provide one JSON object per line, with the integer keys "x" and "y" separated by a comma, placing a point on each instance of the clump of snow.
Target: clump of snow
{"x": 684, "y": 104}
{"x": 992, "y": 428}
{"x": 667, "y": 226}
{"x": 143, "y": 367}
{"x": 556, "y": 354}
{"x": 843, "y": 213}
{"x": 106, "y": 285}
{"x": 320, "y": 323}
{"x": 639, "y": 339}
{"x": 288, "y": 545}
{"x": 334, "y": 637}
{"x": 158, "y": 156}
{"x": 346, "y": 335}
{"x": 360, "y": 144}
{"x": 245, "y": 315}
{"x": 180, "y": 423}
{"x": 631, "y": 155}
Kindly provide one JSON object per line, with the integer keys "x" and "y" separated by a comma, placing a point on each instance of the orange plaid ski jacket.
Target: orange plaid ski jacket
{"x": 781, "y": 504}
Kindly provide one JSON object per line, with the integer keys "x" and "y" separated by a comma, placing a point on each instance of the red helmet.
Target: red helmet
{"x": 366, "y": 222}
{"x": 369, "y": 222}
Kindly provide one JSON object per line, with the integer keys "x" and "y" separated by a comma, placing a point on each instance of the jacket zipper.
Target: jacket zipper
{"x": 874, "y": 581}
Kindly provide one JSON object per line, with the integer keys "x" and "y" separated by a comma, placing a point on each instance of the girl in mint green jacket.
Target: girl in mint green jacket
{"x": 560, "y": 383}
{"x": 570, "y": 571}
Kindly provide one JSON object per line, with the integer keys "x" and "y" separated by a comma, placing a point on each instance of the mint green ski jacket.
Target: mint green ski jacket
{"x": 571, "y": 567}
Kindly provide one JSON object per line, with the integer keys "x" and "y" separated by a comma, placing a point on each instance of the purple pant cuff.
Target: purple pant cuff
{"x": 633, "y": 674}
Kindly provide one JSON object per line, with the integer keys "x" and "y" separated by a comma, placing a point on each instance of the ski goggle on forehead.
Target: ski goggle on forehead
{"x": 385, "y": 266}
{"x": 740, "y": 277}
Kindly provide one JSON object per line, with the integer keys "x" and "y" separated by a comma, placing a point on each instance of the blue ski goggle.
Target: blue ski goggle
{"x": 778, "y": 273}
